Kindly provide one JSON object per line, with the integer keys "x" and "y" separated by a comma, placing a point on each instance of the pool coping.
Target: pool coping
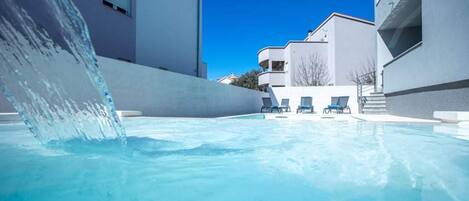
{"x": 338, "y": 117}
{"x": 392, "y": 119}
{"x": 239, "y": 116}
{"x": 14, "y": 117}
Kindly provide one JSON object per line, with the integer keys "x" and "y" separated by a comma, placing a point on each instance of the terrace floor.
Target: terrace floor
{"x": 347, "y": 117}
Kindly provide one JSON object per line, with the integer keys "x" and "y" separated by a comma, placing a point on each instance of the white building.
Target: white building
{"x": 164, "y": 34}
{"x": 423, "y": 55}
{"x": 228, "y": 79}
{"x": 342, "y": 43}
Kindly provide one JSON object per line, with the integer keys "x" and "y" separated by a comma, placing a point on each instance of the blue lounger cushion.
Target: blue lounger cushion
{"x": 334, "y": 106}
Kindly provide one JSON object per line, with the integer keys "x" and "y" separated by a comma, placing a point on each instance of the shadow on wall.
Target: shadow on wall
{"x": 274, "y": 98}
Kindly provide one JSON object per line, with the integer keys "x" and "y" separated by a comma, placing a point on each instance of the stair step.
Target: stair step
{"x": 375, "y": 103}
{"x": 377, "y": 95}
{"x": 366, "y": 106}
{"x": 381, "y": 98}
{"x": 375, "y": 112}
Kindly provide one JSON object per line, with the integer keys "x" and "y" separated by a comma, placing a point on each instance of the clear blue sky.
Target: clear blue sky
{"x": 234, "y": 30}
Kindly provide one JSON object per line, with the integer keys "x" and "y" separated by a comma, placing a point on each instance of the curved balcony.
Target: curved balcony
{"x": 270, "y": 54}
{"x": 272, "y": 78}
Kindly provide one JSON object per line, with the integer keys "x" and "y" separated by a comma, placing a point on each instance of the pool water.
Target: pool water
{"x": 236, "y": 159}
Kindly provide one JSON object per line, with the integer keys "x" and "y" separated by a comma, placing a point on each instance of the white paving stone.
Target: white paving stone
{"x": 129, "y": 113}
{"x": 451, "y": 116}
{"x": 391, "y": 118}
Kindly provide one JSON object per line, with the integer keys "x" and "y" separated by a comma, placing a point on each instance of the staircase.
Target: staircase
{"x": 374, "y": 104}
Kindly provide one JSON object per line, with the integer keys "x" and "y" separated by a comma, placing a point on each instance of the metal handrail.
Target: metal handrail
{"x": 361, "y": 81}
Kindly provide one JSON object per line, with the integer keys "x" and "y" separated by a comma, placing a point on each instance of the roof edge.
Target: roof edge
{"x": 288, "y": 43}
{"x": 336, "y": 14}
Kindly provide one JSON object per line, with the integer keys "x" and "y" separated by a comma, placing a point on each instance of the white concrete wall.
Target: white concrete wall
{"x": 159, "y": 33}
{"x": 103, "y": 24}
{"x": 444, "y": 54}
{"x": 355, "y": 48}
{"x": 162, "y": 93}
{"x": 351, "y": 46}
{"x": 327, "y": 33}
{"x": 383, "y": 56}
{"x": 296, "y": 53}
{"x": 166, "y": 35}
{"x": 321, "y": 95}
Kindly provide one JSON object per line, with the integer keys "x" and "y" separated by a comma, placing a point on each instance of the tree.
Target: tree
{"x": 312, "y": 71}
{"x": 366, "y": 74}
{"x": 248, "y": 80}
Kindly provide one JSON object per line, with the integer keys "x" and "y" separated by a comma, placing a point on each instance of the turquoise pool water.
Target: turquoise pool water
{"x": 230, "y": 159}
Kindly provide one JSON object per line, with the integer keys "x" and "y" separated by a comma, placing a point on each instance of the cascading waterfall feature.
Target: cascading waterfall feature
{"x": 49, "y": 72}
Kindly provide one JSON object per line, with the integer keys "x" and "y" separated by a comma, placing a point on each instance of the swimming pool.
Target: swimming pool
{"x": 232, "y": 159}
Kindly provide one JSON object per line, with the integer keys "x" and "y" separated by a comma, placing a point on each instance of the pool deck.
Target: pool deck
{"x": 391, "y": 118}
{"x": 291, "y": 116}
{"x": 308, "y": 117}
{"x": 347, "y": 117}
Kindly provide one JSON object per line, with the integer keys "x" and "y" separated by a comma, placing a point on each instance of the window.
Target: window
{"x": 122, "y": 6}
{"x": 278, "y": 65}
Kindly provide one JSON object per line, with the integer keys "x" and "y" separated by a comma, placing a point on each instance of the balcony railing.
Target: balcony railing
{"x": 416, "y": 46}
{"x": 384, "y": 9}
{"x": 272, "y": 78}
{"x": 271, "y": 54}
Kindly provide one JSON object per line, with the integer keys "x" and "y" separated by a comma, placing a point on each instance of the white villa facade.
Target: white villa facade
{"x": 342, "y": 43}
{"x": 164, "y": 34}
{"x": 423, "y": 55}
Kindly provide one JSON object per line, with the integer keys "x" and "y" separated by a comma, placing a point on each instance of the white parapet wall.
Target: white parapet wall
{"x": 129, "y": 113}
{"x": 321, "y": 95}
{"x": 9, "y": 117}
{"x": 160, "y": 93}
